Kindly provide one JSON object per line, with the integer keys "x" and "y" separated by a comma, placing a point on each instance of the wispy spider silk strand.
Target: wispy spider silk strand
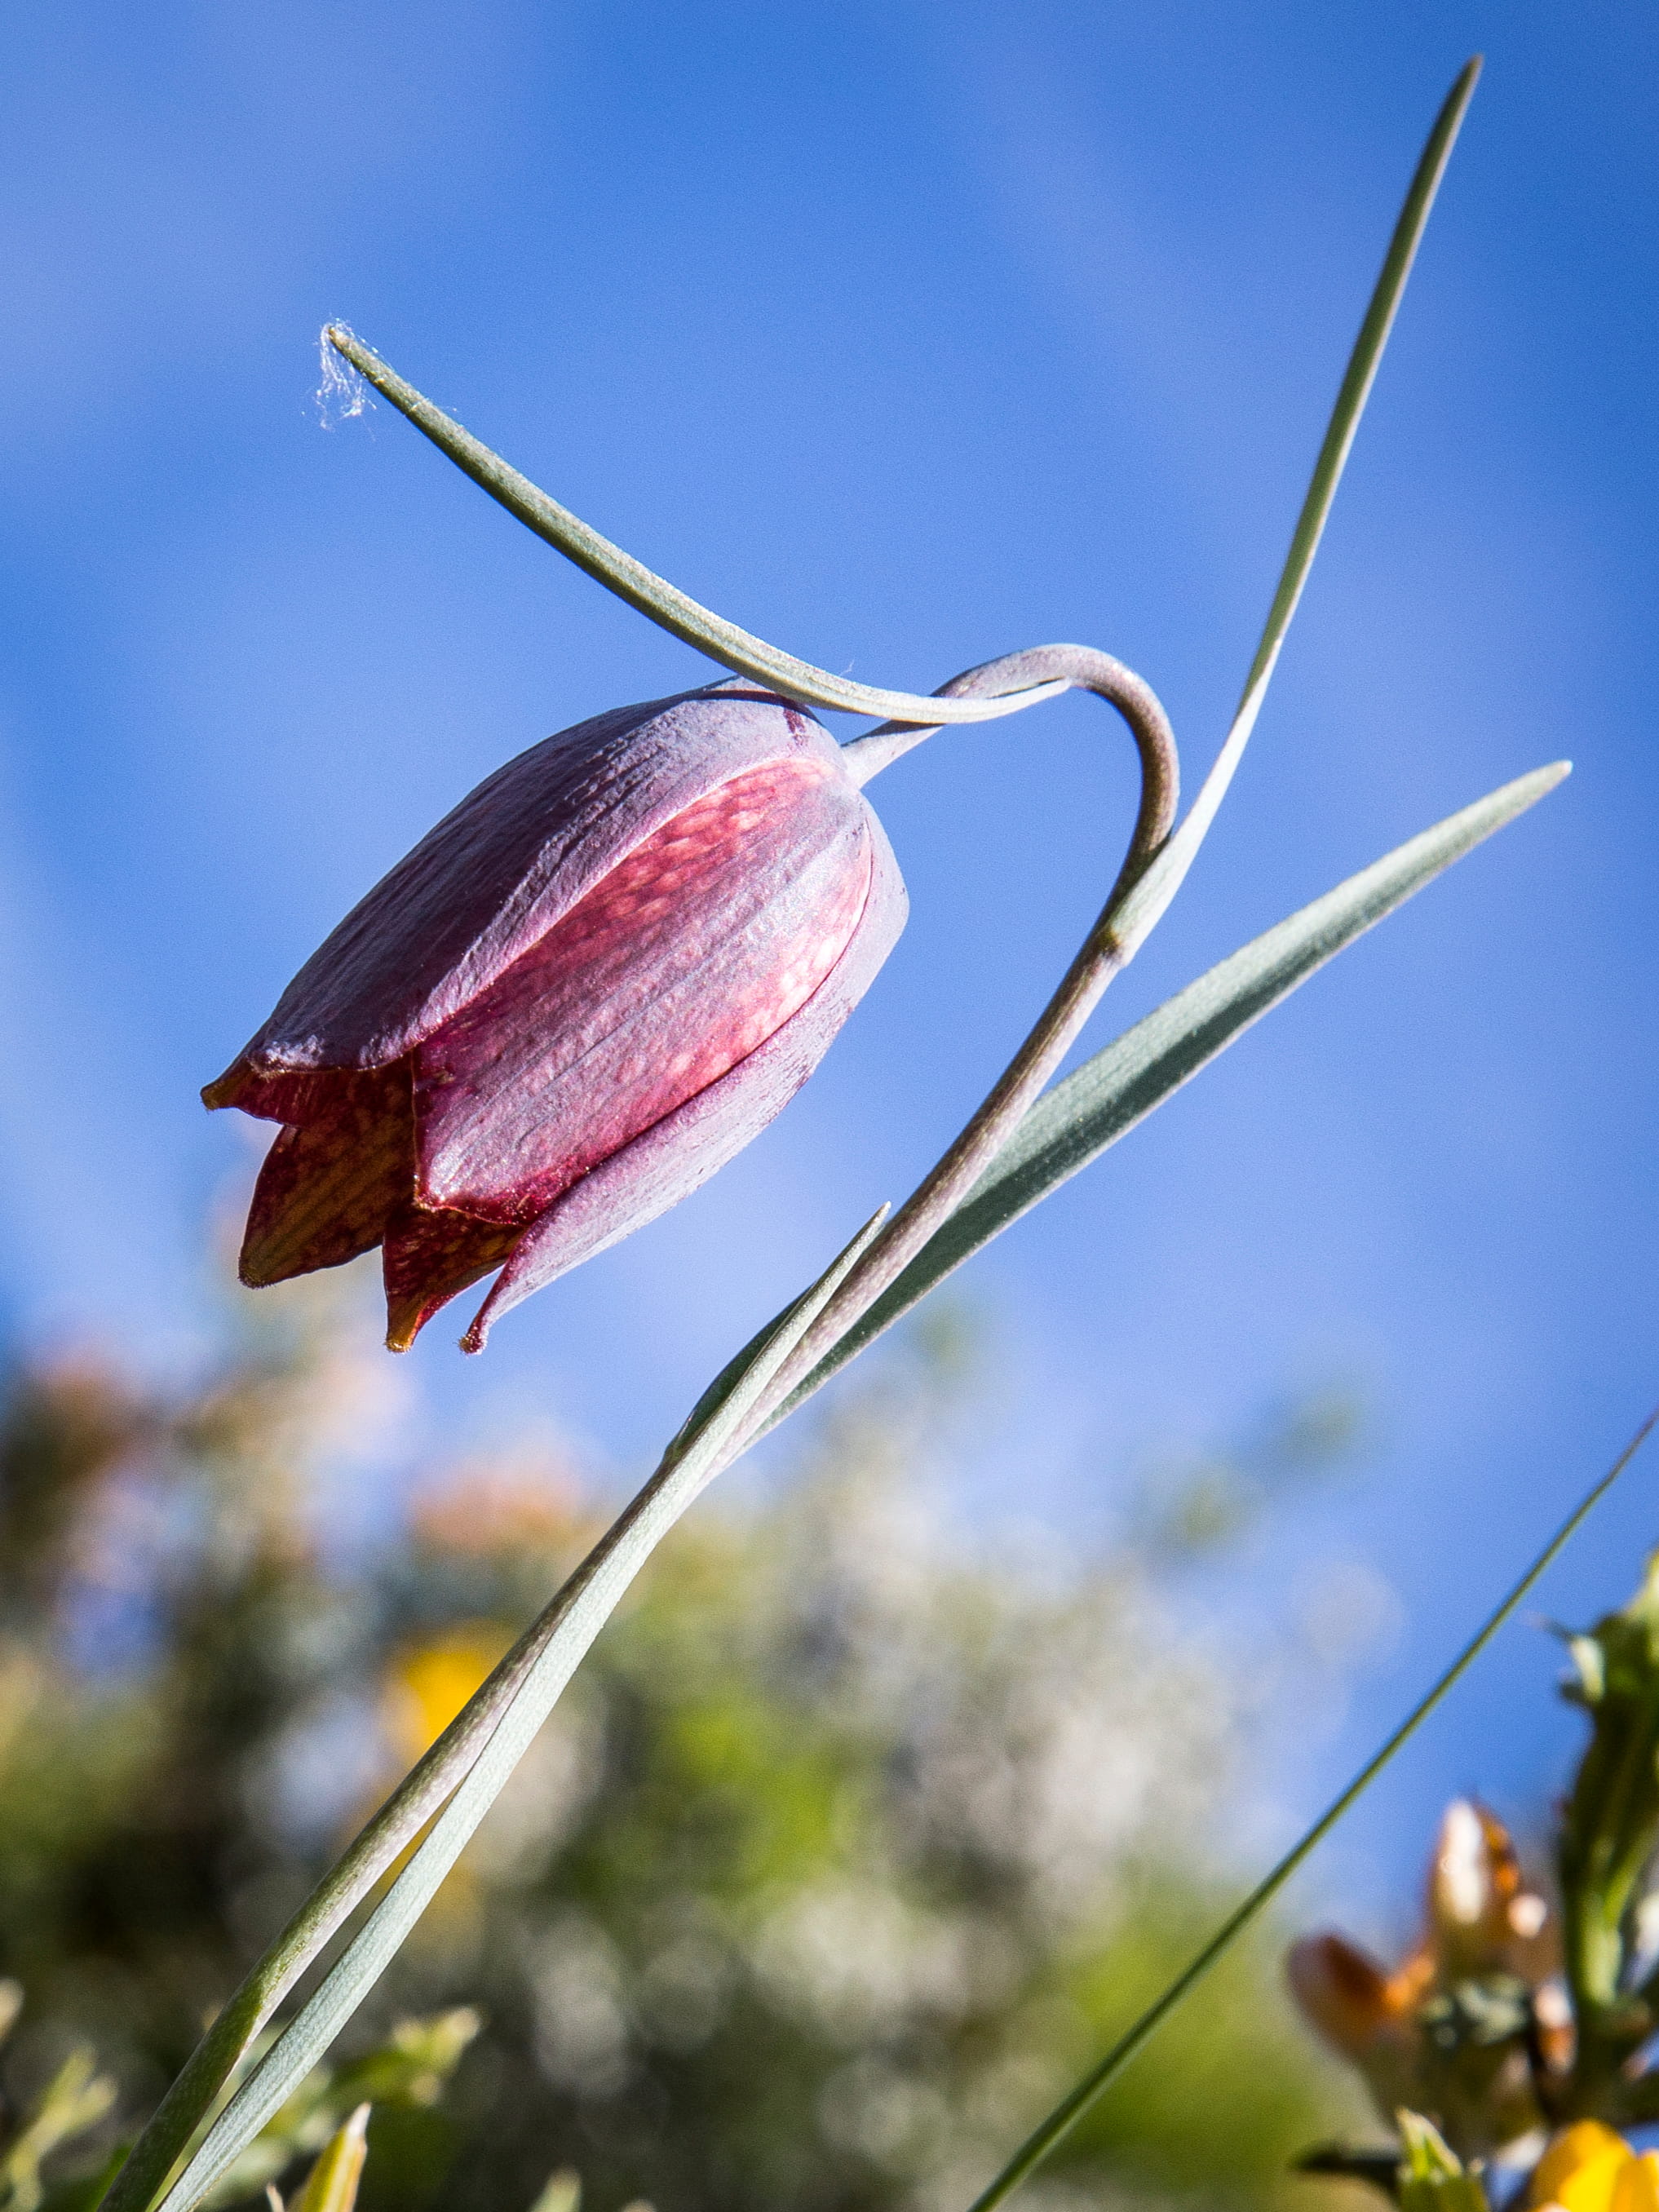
{"x": 1065, "y": 2115}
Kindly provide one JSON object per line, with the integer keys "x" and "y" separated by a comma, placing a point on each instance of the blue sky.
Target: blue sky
{"x": 904, "y": 335}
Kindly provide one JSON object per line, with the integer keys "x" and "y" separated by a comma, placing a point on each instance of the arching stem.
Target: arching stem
{"x": 1104, "y": 954}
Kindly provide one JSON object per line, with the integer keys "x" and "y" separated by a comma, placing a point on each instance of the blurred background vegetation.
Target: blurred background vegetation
{"x": 847, "y": 1850}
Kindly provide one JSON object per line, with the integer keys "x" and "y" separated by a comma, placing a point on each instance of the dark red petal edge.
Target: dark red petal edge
{"x": 326, "y": 1190}
{"x": 429, "y": 1257}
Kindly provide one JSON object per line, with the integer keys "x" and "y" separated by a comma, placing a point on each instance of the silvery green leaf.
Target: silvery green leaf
{"x": 555, "y": 1646}
{"x": 1089, "y": 1110}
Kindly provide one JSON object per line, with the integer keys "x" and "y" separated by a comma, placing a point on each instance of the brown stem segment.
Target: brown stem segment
{"x": 1034, "y": 1066}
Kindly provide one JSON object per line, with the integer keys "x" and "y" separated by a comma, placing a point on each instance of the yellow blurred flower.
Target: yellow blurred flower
{"x": 429, "y": 1684}
{"x": 1590, "y": 2168}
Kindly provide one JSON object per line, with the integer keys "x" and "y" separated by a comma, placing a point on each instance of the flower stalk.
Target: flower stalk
{"x": 450, "y": 1788}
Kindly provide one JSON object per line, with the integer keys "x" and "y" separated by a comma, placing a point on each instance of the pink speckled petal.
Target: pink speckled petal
{"x": 327, "y": 1188}
{"x": 700, "y": 945}
{"x": 682, "y": 1150}
{"x": 428, "y": 1259}
{"x": 504, "y": 865}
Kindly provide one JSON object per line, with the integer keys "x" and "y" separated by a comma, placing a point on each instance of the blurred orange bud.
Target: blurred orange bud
{"x": 1477, "y": 1908}
{"x": 1344, "y": 1994}
{"x": 1554, "y": 2027}
{"x": 1474, "y": 1872}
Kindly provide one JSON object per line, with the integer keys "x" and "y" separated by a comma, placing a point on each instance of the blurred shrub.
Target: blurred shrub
{"x": 847, "y": 1851}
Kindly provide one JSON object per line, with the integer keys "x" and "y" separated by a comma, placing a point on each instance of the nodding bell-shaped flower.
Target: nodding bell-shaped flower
{"x": 581, "y": 993}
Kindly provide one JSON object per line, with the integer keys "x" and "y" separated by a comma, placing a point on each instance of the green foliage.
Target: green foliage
{"x": 1609, "y": 1829}
{"x": 331, "y": 2185}
{"x": 410, "y": 2068}
{"x": 1516, "y": 2014}
{"x": 1432, "y": 2178}
{"x": 404, "y": 2076}
{"x": 844, "y": 1853}
{"x": 72, "y": 2102}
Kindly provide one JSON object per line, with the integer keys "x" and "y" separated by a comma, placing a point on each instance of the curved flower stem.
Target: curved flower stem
{"x": 1104, "y": 953}
{"x": 664, "y": 603}
{"x": 560, "y": 1634}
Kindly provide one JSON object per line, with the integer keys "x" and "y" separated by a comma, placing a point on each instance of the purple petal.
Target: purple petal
{"x": 499, "y": 870}
{"x": 327, "y": 1188}
{"x": 428, "y": 1259}
{"x": 687, "y": 957}
{"x": 682, "y": 1150}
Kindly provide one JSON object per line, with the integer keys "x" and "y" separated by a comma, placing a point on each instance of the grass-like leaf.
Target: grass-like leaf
{"x": 1150, "y": 896}
{"x": 560, "y": 1639}
{"x": 1071, "y": 2108}
{"x": 652, "y": 595}
{"x": 1103, "y": 1101}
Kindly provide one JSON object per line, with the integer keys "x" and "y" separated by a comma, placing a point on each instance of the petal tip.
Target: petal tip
{"x": 222, "y": 1090}
{"x": 405, "y": 1320}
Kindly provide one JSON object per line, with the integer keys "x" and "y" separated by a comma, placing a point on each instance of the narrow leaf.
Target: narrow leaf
{"x": 1141, "y": 910}
{"x": 1090, "y": 1109}
{"x": 1071, "y": 2108}
{"x": 559, "y": 1640}
{"x": 653, "y": 596}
